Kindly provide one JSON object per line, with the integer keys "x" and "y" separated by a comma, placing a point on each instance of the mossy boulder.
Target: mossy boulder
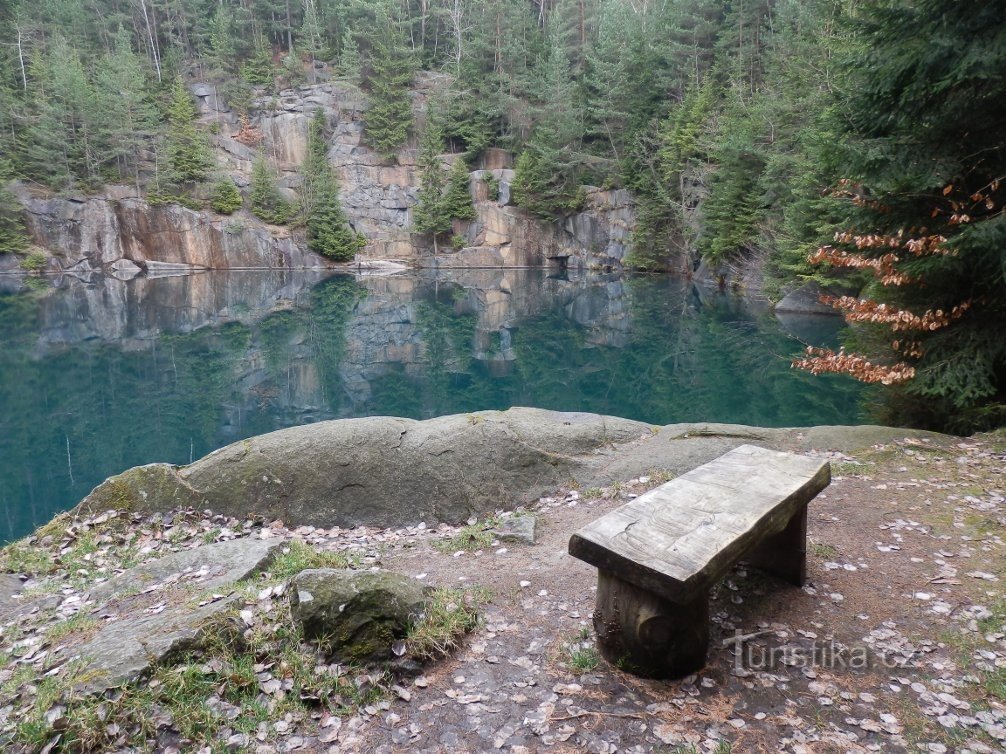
{"x": 356, "y": 616}
{"x": 153, "y": 488}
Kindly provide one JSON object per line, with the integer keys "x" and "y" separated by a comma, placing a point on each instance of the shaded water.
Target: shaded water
{"x": 97, "y": 377}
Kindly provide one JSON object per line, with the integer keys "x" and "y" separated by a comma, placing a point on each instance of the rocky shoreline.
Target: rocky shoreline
{"x": 122, "y": 614}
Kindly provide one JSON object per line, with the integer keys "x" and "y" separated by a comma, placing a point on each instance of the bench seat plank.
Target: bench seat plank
{"x": 680, "y": 538}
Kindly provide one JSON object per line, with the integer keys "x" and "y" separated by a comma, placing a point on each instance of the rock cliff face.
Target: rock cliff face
{"x": 123, "y": 236}
{"x": 377, "y": 194}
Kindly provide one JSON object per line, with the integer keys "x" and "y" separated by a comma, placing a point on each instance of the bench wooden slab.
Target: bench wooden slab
{"x": 658, "y": 556}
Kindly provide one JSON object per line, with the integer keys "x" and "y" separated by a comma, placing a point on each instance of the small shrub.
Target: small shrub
{"x": 458, "y": 242}
{"x": 34, "y": 262}
{"x": 492, "y": 187}
{"x": 226, "y": 198}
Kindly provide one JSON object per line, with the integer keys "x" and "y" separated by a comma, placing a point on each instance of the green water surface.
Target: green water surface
{"x": 99, "y": 376}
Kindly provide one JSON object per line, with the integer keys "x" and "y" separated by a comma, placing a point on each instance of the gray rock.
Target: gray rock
{"x": 207, "y": 567}
{"x": 806, "y": 300}
{"x": 521, "y": 529}
{"x": 10, "y": 584}
{"x": 383, "y": 471}
{"x": 126, "y": 648}
{"x": 155, "y": 487}
{"x": 170, "y": 237}
{"x": 356, "y": 615}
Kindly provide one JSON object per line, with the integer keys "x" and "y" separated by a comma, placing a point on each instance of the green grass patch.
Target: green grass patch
{"x": 81, "y": 623}
{"x": 471, "y": 537}
{"x": 823, "y": 551}
{"x": 23, "y": 557}
{"x": 450, "y": 614}
{"x": 299, "y": 556}
{"x": 584, "y": 659}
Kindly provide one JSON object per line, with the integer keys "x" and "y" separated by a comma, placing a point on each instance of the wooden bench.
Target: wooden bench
{"x": 658, "y": 556}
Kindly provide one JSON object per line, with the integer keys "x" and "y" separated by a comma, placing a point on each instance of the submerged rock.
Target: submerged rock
{"x": 356, "y": 615}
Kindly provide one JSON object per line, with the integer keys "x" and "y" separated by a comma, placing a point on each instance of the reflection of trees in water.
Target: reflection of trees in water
{"x": 275, "y": 353}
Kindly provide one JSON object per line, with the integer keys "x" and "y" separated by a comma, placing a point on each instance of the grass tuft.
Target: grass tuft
{"x": 471, "y": 537}
{"x": 299, "y": 556}
{"x": 450, "y": 614}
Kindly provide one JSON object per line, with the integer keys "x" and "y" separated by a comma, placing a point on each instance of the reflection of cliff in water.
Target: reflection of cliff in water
{"x": 99, "y": 376}
{"x": 415, "y": 327}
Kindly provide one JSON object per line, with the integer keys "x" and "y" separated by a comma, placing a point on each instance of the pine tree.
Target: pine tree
{"x": 189, "y": 156}
{"x": 267, "y": 203}
{"x": 226, "y": 199}
{"x": 925, "y": 193}
{"x": 458, "y": 198}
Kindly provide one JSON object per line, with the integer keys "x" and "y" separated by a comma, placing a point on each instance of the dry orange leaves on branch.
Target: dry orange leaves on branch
{"x": 824, "y": 360}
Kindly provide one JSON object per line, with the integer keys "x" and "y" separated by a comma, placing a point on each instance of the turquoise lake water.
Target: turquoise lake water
{"x": 99, "y": 376}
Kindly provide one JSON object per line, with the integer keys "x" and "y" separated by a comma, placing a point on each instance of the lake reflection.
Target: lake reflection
{"x": 97, "y": 377}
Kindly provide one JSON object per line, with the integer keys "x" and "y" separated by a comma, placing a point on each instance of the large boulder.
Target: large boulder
{"x": 386, "y": 471}
{"x": 357, "y": 616}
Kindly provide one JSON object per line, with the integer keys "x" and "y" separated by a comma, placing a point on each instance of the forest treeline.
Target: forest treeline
{"x": 681, "y": 101}
{"x": 858, "y": 140}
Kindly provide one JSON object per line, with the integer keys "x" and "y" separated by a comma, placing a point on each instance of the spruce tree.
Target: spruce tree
{"x": 391, "y": 70}
{"x": 226, "y": 198}
{"x": 328, "y": 229}
{"x": 189, "y": 156}
{"x": 267, "y": 203}
{"x": 223, "y": 44}
{"x": 127, "y": 116}
{"x": 458, "y": 198}
{"x": 259, "y": 70}
{"x": 925, "y": 192}
{"x": 350, "y": 65}
{"x": 430, "y": 215}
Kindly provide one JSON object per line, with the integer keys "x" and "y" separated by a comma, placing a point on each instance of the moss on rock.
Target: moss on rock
{"x": 356, "y": 616}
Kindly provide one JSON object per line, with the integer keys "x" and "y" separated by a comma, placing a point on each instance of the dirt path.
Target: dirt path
{"x": 895, "y": 644}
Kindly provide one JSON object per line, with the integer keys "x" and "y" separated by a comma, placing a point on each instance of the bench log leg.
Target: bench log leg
{"x": 785, "y": 554}
{"x": 647, "y": 635}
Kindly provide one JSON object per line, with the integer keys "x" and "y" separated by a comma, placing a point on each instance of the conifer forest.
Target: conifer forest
{"x": 857, "y": 144}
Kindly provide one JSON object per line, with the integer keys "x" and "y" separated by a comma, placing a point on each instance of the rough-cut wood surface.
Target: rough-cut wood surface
{"x": 679, "y": 539}
{"x": 647, "y": 635}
